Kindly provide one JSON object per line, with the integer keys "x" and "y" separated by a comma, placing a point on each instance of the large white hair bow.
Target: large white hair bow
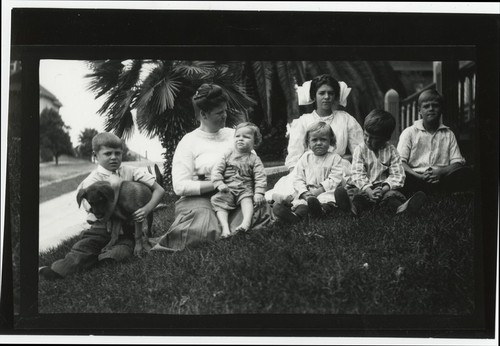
{"x": 304, "y": 97}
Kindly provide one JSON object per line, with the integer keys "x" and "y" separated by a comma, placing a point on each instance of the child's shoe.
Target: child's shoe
{"x": 314, "y": 206}
{"x": 360, "y": 203}
{"x": 413, "y": 204}
{"x": 343, "y": 201}
{"x": 285, "y": 213}
{"x": 48, "y": 274}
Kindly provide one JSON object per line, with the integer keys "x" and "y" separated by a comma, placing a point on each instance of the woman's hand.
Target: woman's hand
{"x": 140, "y": 214}
{"x": 258, "y": 200}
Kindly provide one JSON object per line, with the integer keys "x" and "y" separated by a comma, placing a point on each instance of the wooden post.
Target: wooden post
{"x": 391, "y": 105}
{"x": 437, "y": 76}
{"x": 449, "y": 91}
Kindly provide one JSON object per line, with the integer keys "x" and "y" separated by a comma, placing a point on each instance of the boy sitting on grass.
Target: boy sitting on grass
{"x": 430, "y": 153}
{"x": 86, "y": 252}
{"x": 377, "y": 172}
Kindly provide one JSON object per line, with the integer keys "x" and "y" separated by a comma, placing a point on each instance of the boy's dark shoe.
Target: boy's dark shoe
{"x": 343, "y": 201}
{"x": 285, "y": 213}
{"x": 328, "y": 208}
{"x": 413, "y": 204}
{"x": 314, "y": 207}
{"x": 48, "y": 274}
{"x": 360, "y": 203}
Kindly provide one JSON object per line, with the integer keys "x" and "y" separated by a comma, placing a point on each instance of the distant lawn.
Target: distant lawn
{"x": 372, "y": 264}
{"x": 54, "y": 190}
{"x": 68, "y": 166}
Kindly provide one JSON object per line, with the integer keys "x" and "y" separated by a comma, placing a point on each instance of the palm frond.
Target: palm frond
{"x": 104, "y": 77}
{"x": 122, "y": 126}
{"x": 195, "y": 69}
{"x": 287, "y": 82}
{"x": 263, "y": 71}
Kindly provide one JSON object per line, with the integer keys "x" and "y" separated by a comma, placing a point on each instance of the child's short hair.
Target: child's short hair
{"x": 430, "y": 95}
{"x": 106, "y": 139}
{"x": 380, "y": 123}
{"x": 256, "y": 132}
{"x": 320, "y": 126}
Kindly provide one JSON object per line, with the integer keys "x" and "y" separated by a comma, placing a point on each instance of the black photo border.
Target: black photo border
{"x": 82, "y": 34}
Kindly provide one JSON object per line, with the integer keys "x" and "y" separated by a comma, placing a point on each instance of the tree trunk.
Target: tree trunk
{"x": 170, "y": 145}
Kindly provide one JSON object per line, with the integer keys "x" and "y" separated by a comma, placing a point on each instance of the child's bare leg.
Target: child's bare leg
{"x": 247, "y": 210}
{"x": 223, "y": 216}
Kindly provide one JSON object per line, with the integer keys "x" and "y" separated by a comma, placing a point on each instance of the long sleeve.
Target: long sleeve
{"x": 183, "y": 171}
{"x": 217, "y": 174}
{"x": 358, "y": 170}
{"x": 295, "y": 143}
{"x": 335, "y": 175}
{"x": 299, "y": 181}
{"x": 396, "y": 178}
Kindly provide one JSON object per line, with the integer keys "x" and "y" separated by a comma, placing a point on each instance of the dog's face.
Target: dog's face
{"x": 100, "y": 196}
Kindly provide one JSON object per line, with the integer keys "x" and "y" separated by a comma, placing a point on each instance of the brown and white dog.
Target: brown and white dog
{"x": 114, "y": 202}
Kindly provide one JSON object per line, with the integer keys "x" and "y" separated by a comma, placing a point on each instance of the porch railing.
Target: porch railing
{"x": 406, "y": 111}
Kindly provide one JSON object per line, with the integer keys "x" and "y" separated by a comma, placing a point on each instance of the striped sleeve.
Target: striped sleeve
{"x": 396, "y": 178}
{"x": 358, "y": 170}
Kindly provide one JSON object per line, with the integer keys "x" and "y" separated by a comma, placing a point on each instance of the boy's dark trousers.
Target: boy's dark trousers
{"x": 459, "y": 179}
{"x": 86, "y": 252}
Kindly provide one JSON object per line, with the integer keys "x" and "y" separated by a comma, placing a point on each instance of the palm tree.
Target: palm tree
{"x": 160, "y": 92}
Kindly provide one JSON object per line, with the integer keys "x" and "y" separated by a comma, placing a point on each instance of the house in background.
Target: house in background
{"x": 48, "y": 100}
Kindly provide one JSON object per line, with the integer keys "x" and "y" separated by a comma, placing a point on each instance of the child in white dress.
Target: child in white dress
{"x": 319, "y": 172}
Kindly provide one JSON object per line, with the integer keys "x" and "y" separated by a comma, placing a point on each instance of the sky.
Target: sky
{"x": 65, "y": 79}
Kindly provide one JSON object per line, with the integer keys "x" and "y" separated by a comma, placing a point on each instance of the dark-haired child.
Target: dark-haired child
{"x": 319, "y": 172}
{"x": 377, "y": 172}
{"x": 86, "y": 252}
{"x": 240, "y": 179}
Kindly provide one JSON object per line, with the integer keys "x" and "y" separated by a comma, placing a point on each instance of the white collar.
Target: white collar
{"x": 419, "y": 124}
{"x": 102, "y": 170}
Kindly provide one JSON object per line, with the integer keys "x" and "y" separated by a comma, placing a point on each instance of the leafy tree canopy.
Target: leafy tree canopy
{"x": 54, "y": 137}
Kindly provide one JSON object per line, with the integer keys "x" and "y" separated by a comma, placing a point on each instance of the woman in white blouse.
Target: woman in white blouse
{"x": 197, "y": 152}
{"x": 327, "y": 94}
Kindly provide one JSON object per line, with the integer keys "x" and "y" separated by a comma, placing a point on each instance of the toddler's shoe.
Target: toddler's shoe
{"x": 413, "y": 204}
{"x": 314, "y": 206}
{"x": 285, "y": 213}
{"x": 48, "y": 274}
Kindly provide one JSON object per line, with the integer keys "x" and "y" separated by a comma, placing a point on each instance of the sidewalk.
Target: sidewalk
{"x": 60, "y": 218}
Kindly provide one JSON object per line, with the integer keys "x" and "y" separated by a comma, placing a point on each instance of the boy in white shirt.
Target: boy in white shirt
{"x": 430, "y": 153}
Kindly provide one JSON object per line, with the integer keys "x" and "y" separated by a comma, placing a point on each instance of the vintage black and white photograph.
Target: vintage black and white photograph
{"x": 283, "y": 185}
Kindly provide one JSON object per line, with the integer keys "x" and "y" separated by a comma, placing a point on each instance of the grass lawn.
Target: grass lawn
{"x": 68, "y": 166}
{"x": 372, "y": 264}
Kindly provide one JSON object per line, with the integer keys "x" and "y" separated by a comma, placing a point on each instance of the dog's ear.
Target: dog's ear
{"x": 159, "y": 176}
{"x": 107, "y": 192}
{"x": 82, "y": 193}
